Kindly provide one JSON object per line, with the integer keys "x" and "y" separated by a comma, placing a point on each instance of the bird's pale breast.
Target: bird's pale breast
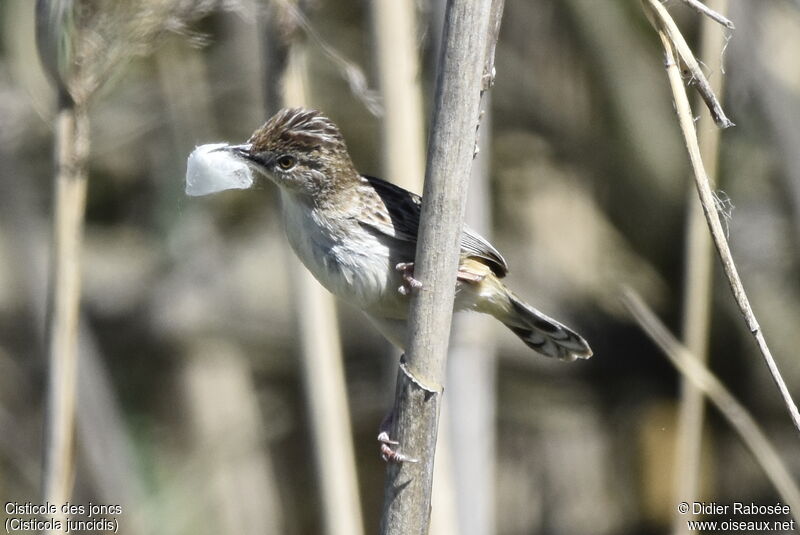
{"x": 344, "y": 257}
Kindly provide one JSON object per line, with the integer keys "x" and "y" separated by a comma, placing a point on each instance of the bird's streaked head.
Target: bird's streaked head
{"x": 301, "y": 150}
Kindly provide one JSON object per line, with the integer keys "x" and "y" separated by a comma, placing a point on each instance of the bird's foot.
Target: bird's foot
{"x": 410, "y": 284}
{"x": 388, "y": 454}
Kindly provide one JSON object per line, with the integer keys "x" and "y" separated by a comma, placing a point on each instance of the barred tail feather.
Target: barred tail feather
{"x": 544, "y": 334}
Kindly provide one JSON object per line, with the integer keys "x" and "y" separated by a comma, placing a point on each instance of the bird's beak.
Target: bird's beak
{"x": 240, "y": 151}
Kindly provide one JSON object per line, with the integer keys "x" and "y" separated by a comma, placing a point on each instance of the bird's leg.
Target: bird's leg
{"x": 410, "y": 284}
{"x": 387, "y": 453}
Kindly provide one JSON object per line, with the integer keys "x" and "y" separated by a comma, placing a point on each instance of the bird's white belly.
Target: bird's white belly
{"x": 355, "y": 269}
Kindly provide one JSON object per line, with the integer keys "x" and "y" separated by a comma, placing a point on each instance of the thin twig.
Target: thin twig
{"x": 686, "y": 120}
{"x": 733, "y": 411}
{"x": 697, "y": 299}
{"x": 662, "y": 21}
{"x": 349, "y": 71}
{"x": 703, "y": 9}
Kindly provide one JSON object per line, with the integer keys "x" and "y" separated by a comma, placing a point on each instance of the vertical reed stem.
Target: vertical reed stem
{"x": 69, "y": 203}
{"x": 323, "y": 367}
{"x": 407, "y": 495}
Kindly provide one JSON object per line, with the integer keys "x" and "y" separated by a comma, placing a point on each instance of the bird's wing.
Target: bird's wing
{"x": 394, "y": 211}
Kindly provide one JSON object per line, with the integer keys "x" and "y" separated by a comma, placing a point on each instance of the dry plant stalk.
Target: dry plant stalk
{"x": 714, "y": 15}
{"x": 82, "y": 43}
{"x": 674, "y": 46}
{"x": 407, "y": 495}
{"x": 733, "y": 411}
{"x": 697, "y": 294}
{"x": 72, "y": 146}
{"x": 396, "y": 56}
{"x": 322, "y": 362}
{"x": 661, "y": 19}
{"x": 397, "y": 59}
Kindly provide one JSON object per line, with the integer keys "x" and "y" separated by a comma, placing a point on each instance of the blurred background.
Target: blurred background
{"x": 192, "y": 411}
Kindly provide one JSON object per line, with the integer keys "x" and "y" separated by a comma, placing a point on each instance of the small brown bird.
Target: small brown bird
{"x": 358, "y": 235}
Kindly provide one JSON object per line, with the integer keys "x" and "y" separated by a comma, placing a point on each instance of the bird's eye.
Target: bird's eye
{"x": 286, "y": 162}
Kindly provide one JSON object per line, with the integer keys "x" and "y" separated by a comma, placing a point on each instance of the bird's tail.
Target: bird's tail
{"x": 539, "y": 332}
{"x": 544, "y": 334}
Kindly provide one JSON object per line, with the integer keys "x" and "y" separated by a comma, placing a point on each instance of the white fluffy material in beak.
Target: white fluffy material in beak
{"x": 211, "y": 170}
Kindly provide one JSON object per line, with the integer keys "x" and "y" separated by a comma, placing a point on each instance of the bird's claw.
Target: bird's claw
{"x": 388, "y": 454}
{"x": 383, "y": 438}
{"x": 410, "y": 284}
